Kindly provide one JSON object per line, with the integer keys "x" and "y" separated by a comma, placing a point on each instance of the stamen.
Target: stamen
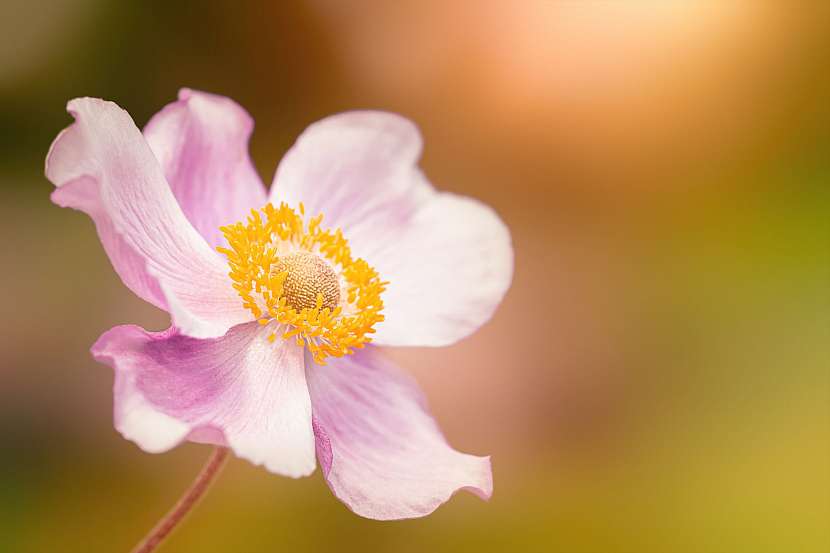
{"x": 291, "y": 273}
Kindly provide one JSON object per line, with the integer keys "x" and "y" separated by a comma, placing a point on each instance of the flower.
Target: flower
{"x": 278, "y": 299}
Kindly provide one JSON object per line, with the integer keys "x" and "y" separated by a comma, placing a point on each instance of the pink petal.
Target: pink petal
{"x": 82, "y": 194}
{"x": 102, "y": 165}
{"x": 447, "y": 273}
{"x": 448, "y": 259}
{"x": 238, "y": 390}
{"x": 382, "y": 453}
{"x": 201, "y": 142}
{"x": 359, "y": 170}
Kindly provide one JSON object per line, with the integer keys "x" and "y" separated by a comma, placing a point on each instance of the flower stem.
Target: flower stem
{"x": 186, "y": 503}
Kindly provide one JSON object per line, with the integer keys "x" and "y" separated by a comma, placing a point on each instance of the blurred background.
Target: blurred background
{"x": 657, "y": 378}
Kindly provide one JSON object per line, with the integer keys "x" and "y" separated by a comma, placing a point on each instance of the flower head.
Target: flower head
{"x": 277, "y": 299}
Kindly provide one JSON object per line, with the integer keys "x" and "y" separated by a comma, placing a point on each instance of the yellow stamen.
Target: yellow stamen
{"x": 292, "y": 273}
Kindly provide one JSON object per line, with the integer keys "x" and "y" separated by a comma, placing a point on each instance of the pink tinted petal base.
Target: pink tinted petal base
{"x": 381, "y": 452}
{"x": 448, "y": 259}
{"x": 239, "y": 390}
{"x": 201, "y": 142}
{"x": 103, "y": 165}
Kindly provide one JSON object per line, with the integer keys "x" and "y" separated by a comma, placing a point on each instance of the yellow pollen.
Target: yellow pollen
{"x": 308, "y": 275}
{"x": 303, "y": 279}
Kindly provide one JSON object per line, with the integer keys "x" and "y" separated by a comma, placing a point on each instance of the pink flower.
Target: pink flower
{"x": 273, "y": 311}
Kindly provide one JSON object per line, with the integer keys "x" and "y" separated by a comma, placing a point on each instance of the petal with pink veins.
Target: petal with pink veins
{"x": 239, "y": 390}
{"x": 381, "y": 452}
{"x": 448, "y": 259}
{"x": 201, "y": 142}
{"x": 102, "y": 165}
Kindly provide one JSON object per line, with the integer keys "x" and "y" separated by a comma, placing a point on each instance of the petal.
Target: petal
{"x": 102, "y": 165}
{"x": 359, "y": 170}
{"x": 201, "y": 142}
{"x": 448, "y": 259}
{"x": 239, "y": 390}
{"x": 382, "y": 453}
{"x": 82, "y": 194}
{"x": 447, "y": 272}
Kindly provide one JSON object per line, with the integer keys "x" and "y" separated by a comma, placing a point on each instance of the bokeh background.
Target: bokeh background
{"x": 657, "y": 378}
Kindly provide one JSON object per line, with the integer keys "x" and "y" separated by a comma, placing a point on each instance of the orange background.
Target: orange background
{"x": 657, "y": 377}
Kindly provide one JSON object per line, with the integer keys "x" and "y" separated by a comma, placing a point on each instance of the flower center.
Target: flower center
{"x": 303, "y": 280}
{"x": 308, "y": 275}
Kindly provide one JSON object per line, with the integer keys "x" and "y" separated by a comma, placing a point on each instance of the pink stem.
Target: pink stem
{"x": 189, "y": 500}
